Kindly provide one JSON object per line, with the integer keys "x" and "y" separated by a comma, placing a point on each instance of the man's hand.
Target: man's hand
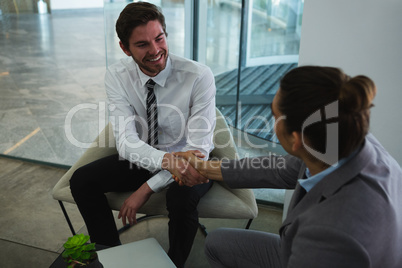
{"x": 132, "y": 204}
{"x": 182, "y": 170}
{"x": 193, "y": 158}
{"x": 208, "y": 169}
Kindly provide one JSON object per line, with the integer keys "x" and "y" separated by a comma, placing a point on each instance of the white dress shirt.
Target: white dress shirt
{"x": 185, "y": 93}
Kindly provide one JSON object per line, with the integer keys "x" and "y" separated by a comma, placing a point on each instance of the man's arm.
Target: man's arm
{"x": 202, "y": 120}
{"x": 132, "y": 204}
{"x": 123, "y": 118}
{"x": 199, "y": 130}
{"x": 129, "y": 145}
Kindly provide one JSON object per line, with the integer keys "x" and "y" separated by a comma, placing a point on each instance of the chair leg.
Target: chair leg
{"x": 67, "y": 218}
{"x": 249, "y": 223}
{"x": 203, "y": 229}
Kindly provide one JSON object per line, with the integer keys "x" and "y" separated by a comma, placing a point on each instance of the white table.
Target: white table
{"x": 146, "y": 253}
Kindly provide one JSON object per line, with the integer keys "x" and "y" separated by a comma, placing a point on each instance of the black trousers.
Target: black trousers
{"x": 111, "y": 174}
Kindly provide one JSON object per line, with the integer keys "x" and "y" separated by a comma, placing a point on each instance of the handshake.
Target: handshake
{"x": 187, "y": 168}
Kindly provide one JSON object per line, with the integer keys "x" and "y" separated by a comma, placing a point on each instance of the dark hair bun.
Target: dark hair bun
{"x": 357, "y": 94}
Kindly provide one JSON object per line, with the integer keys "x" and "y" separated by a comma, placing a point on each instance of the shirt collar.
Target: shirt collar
{"x": 311, "y": 181}
{"x": 159, "y": 79}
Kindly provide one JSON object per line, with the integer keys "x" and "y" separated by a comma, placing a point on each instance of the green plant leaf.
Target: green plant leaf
{"x": 65, "y": 255}
{"x": 76, "y": 249}
{"x": 76, "y": 240}
{"x": 76, "y": 255}
{"x": 89, "y": 247}
{"x": 86, "y": 256}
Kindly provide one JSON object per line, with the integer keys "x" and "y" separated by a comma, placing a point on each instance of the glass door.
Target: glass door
{"x": 249, "y": 45}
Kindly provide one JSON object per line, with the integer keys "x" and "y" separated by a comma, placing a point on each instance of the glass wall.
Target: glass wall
{"x": 249, "y": 45}
{"x": 51, "y": 80}
{"x": 274, "y": 32}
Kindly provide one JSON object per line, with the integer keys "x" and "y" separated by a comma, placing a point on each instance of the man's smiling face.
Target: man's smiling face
{"x": 148, "y": 47}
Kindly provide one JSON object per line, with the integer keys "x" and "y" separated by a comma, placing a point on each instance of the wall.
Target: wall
{"x": 75, "y": 4}
{"x": 361, "y": 37}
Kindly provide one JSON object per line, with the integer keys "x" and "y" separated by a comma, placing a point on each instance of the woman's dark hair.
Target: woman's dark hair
{"x": 308, "y": 89}
{"x": 136, "y": 14}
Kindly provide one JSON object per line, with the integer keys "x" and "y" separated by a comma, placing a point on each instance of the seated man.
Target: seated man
{"x": 159, "y": 103}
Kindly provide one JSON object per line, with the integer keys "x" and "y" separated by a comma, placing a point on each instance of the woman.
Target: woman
{"x": 346, "y": 208}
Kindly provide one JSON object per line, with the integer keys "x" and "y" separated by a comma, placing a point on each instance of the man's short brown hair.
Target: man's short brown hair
{"x": 134, "y": 15}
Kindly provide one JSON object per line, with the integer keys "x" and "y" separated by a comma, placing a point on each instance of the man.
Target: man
{"x": 183, "y": 120}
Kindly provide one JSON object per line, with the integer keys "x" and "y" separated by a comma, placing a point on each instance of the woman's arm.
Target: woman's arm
{"x": 280, "y": 172}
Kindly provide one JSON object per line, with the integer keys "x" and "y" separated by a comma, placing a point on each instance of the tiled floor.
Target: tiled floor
{"x": 34, "y": 229}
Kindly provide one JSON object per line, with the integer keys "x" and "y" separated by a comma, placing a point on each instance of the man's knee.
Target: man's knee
{"x": 181, "y": 199}
{"x": 79, "y": 181}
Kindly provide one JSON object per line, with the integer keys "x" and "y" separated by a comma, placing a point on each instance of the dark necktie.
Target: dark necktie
{"x": 152, "y": 114}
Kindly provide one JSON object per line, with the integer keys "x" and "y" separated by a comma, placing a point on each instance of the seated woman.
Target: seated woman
{"x": 346, "y": 210}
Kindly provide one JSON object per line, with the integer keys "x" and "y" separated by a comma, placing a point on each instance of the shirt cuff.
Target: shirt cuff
{"x": 158, "y": 155}
{"x": 160, "y": 181}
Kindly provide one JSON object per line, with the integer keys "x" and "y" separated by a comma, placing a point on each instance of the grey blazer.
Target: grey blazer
{"x": 351, "y": 218}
